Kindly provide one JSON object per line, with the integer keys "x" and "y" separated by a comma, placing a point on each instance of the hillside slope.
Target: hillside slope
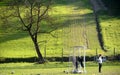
{"x": 108, "y": 26}
{"x": 77, "y": 28}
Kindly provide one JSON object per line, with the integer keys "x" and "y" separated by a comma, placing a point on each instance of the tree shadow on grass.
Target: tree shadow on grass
{"x": 71, "y": 19}
{"x": 84, "y": 4}
{"x": 12, "y": 36}
{"x": 80, "y": 4}
{"x": 79, "y": 19}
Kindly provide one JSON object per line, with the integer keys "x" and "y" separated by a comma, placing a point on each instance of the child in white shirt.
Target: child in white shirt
{"x": 100, "y": 62}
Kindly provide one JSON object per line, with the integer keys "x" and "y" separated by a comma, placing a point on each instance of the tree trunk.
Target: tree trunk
{"x": 40, "y": 57}
{"x": 34, "y": 39}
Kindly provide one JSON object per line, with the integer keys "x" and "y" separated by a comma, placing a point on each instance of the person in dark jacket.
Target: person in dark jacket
{"x": 80, "y": 59}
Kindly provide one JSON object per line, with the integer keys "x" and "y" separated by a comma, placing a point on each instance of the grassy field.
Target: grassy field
{"x": 77, "y": 22}
{"x": 110, "y": 31}
{"x": 56, "y": 68}
{"x": 110, "y": 26}
{"x": 77, "y": 28}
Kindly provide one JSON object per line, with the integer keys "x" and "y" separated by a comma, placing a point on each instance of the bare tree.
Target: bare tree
{"x": 31, "y": 13}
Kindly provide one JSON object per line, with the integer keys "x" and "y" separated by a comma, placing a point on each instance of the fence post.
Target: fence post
{"x": 62, "y": 55}
{"x": 114, "y": 53}
{"x": 45, "y": 52}
{"x": 96, "y": 52}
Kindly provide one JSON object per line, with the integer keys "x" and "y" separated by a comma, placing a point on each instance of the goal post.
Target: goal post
{"x": 77, "y": 59}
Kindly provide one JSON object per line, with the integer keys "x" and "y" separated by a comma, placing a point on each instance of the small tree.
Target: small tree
{"x": 31, "y": 13}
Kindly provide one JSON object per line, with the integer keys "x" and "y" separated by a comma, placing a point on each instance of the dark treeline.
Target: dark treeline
{"x": 113, "y": 6}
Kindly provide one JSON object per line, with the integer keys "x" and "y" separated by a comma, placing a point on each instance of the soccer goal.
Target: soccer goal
{"x": 76, "y": 62}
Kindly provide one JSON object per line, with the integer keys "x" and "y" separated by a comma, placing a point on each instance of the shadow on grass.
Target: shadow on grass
{"x": 9, "y": 36}
{"x": 71, "y": 19}
{"x": 79, "y": 19}
{"x": 78, "y": 3}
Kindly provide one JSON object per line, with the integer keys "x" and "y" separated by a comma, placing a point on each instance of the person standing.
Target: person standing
{"x": 100, "y": 62}
{"x": 80, "y": 59}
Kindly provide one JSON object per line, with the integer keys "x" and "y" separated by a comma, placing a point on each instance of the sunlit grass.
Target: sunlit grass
{"x": 110, "y": 31}
{"x": 74, "y": 17}
{"x": 56, "y": 68}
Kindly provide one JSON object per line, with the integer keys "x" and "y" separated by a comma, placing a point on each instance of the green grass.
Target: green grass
{"x": 56, "y": 68}
{"x": 2, "y": 4}
{"x": 110, "y": 31}
{"x": 76, "y": 18}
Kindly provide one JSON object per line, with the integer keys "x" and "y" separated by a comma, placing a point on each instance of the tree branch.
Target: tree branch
{"x": 18, "y": 11}
{"x": 47, "y": 7}
{"x": 31, "y": 16}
